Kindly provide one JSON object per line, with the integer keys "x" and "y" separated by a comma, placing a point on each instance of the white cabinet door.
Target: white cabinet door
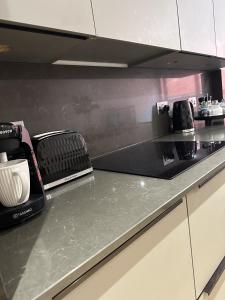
{"x": 68, "y": 15}
{"x": 151, "y": 22}
{"x": 206, "y": 207}
{"x": 219, "y": 9}
{"x": 157, "y": 266}
{"x": 197, "y": 26}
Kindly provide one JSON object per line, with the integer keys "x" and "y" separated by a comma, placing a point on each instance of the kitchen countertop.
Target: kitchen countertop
{"x": 86, "y": 220}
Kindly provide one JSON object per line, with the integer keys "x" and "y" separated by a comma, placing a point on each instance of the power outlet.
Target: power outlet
{"x": 193, "y": 100}
{"x": 160, "y": 106}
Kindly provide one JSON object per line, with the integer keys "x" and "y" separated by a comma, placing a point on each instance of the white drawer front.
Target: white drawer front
{"x": 156, "y": 266}
{"x": 206, "y": 206}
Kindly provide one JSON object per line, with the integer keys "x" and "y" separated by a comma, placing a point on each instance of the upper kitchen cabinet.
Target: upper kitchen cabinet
{"x": 219, "y": 8}
{"x": 197, "y": 26}
{"x": 150, "y": 22}
{"x": 67, "y": 15}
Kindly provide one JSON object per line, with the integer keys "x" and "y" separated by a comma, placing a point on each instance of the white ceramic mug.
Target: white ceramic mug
{"x": 14, "y": 182}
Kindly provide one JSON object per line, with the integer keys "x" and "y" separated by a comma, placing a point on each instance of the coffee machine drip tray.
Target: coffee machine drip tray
{"x": 12, "y": 215}
{"x": 157, "y": 159}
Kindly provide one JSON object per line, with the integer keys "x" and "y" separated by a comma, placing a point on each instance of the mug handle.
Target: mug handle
{"x": 25, "y": 186}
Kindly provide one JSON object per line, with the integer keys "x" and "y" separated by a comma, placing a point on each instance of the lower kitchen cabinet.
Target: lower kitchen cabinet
{"x": 157, "y": 265}
{"x": 206, "y": 208}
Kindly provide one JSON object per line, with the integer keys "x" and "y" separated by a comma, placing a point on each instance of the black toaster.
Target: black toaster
{"x": 62, "y": 156}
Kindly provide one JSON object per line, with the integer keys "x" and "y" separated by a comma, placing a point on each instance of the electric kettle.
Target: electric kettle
{"x": 183, "y": 116}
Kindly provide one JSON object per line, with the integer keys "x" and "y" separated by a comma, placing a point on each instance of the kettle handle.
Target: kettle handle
{"x": 192, "y": 108}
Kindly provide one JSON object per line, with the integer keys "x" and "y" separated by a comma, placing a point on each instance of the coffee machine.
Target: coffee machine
{"x": 16, "y": 143}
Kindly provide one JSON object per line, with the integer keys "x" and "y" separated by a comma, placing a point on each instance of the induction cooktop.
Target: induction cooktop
{"x": 157, "y": 159}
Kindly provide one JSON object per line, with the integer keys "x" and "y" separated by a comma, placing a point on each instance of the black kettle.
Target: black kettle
{"x": 183, "y": 116}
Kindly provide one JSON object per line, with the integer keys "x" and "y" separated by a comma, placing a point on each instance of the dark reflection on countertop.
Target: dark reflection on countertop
{"x": 26, "y": 251}
{"x": 16, "y": 246}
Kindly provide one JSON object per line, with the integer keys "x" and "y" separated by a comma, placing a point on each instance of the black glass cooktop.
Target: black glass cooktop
{"x": 157, "y": 159}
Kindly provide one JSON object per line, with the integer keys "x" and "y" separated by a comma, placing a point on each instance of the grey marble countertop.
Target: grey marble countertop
{"x": 86, "y": 220}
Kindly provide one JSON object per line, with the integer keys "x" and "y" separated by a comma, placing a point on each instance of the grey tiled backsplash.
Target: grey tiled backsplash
{"x": 112, "y": 108}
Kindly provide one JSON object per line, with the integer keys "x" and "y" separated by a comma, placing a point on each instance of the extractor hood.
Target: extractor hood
{"x": 34, "y": 45}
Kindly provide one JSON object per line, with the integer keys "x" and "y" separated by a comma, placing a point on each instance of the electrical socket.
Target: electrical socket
{"x": 193, "y": 100}
{"x": 160, "y": 106}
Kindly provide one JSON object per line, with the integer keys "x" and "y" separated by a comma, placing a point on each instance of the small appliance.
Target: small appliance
{"x": 183, "y": 116}
{"x": 21, "y": 193}
{"x": 62, "y": 156}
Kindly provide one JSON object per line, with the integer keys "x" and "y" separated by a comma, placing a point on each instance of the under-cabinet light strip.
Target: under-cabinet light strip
{"x": 90, "y": 64}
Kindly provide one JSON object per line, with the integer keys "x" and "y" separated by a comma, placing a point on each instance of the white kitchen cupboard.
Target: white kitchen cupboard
{"x": 206, "y": 208}
{"x": 219, "y": 9}
{"x": 69, "y": 15}
{"x": 157, "y": 265}
{"x": 150, "y": 22}
{"x": 197, "y": 30}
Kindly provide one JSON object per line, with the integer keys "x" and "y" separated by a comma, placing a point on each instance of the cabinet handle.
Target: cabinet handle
{"x": 215, "y": 278}
{"x": 209, "y": 178}
{"x": 165, "y": 213}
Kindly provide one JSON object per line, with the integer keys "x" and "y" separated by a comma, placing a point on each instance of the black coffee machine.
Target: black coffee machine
{"x": 15, "y": 141}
